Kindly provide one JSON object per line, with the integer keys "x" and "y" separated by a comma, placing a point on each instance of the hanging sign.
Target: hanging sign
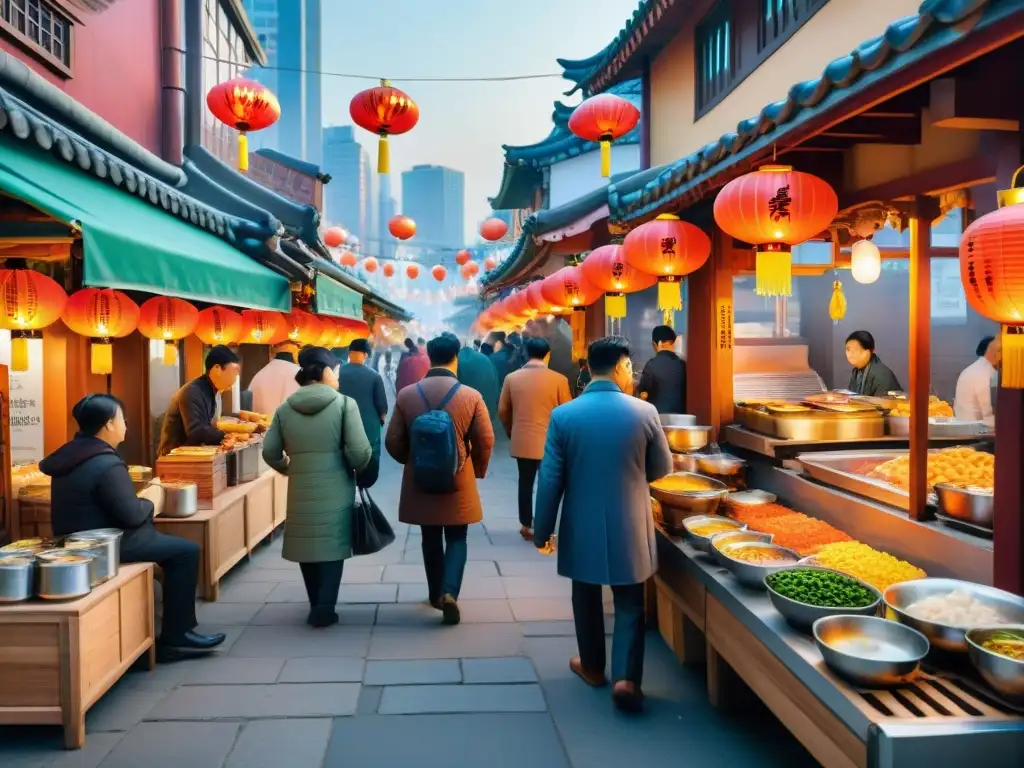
{"x": 26, "y": 403}
{"x": 724, "y": 325}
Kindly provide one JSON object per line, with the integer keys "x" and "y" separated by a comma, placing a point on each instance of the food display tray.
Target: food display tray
{"x": 847, "y": 470}
{"x": 899, "y": 426}
{"x": 963, "y": 525}
{"x": 813, "y": 424}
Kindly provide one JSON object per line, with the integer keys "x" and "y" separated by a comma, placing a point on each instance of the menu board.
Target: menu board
{"x": 26, "y": 405}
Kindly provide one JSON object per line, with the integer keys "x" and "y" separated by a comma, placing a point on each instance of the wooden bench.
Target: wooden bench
{"x": 58, "y": 658}
{"x": 240, "y": 519}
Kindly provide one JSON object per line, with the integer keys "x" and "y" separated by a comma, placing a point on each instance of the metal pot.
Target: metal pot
{"x": 677, "y": 420}
{"x": 720, "y": 465}
{"x": 180, "y": 499}
{"x": 969, "y": 505}
{"x": 686, "y": 439}
{"x": 16, "y": 579}
{"x": 62, "y": 575}
{"x": 105, "y": 550}
{"x": 685, "y": 462}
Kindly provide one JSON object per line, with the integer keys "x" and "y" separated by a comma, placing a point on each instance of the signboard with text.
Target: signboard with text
{"x": 26, "y": 403}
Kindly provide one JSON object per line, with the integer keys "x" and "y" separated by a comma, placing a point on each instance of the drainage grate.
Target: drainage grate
{"x": 935, "y": 694}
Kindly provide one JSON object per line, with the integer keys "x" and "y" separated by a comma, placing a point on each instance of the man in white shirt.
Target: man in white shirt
{"x": 272, "y": 384}
{"x": 973, "y": 400}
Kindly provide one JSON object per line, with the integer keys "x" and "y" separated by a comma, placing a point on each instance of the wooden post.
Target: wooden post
{"x": 924, "y": 211}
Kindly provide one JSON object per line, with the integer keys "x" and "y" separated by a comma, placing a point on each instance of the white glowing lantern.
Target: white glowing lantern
{"x": 865, "y": 261}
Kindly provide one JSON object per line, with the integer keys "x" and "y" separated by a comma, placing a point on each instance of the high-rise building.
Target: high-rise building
{"x": 386, "y": 208}
{"x": 434, "y": 197}
{"x": 348, "y": 196}
{"x": 289, "y": 31}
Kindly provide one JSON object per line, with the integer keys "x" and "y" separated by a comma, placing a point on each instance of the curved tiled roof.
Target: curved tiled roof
{"x": 938, "y": 24}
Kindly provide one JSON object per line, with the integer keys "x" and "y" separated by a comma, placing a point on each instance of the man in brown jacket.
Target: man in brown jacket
{"x": 528, "y": 397}
{"x": 444, "y": 517}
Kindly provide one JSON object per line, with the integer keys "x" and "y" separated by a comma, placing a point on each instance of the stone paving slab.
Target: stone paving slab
{"x": 247, "y": 592}
{"x": 174, "y": 745}
{"x": 513, "y": 670}
{"x": 350, "y": 593}
{"x": 258, "y": 701}
{"x": 314, "y": 669}
{"x": 270, "y": 641}
{"x": 362, "y": 574}
{"x": 228, "y": 670}
{"x": 231, "y": 614}
{"x": 537, "y": 569}
{"x": 429, "y": 672}
{"x": 477, "y": 589}
{"x": 358, "y": 614}
{"x": 542, "y": 609}
{"x": 449, "y": 699}
{"x": 121, "y": 710}
{"x": 535, "y": 586}
{"x": 463, "y": 641}
{"x": 280, "y": 743}
{"x": 473, "y": 612}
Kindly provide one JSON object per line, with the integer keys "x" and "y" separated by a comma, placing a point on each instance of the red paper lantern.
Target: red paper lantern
{"x": 260, "y": 326}
{"x": 535, "y": 297}
{"x": 606, "y": 268}
{"x": 567, "y": 289}
{"x": 466, "y": 271}
{"x": 29, "y": 302}
{"x": 167, "y": 319}
{"x": 218, "y": 325}
{"x": 604, "y": 118}
{"x": 412, "y": 271}
{"x": 493, "y": 229}
{"x": 669, "y": 249}
{"x": 385, "y": 111}
{"x": 348, "y": 259}
{"x": 388, "y": 270}
{"x": 463, "y": 257}
{"x": 439, "y": 273}
{"x": 402, "y": 227}
{"x": 335, "y": 236}
{"x": 490, "y": 263}
{"x": 330, "y": 332}
{"x": 370, "y": 264}
{"x": 518, "y": 304}
{"x": 773, "y": 209}
{"x": 245, "y": 105}
{"x": 101, "y": 314}
{"x": 356, "y": 329}
{"x": 299, "y": 327}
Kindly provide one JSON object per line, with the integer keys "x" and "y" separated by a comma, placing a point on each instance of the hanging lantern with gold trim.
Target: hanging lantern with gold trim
{"x": 669, "y": 249}
{"x": 29, "y": 302}
{"x": 167, "y": 319}
{"x": 218, "y": 325}
{"x": 606, "y": 268}
{"x": 102, "y": 314}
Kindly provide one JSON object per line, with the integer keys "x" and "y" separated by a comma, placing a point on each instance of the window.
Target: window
{"x": 779, "y": 19}
{"x": 42, "y": 28}
{"x": 715, "y": 59}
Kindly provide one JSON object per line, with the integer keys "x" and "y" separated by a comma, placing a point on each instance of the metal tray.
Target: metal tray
{"x": 899, "y": 426}
{"x": 839, "y": 469}
{"x": 813, "y": 425}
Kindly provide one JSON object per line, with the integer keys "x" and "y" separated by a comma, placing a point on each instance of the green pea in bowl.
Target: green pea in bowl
{"x": 802, "y": 615}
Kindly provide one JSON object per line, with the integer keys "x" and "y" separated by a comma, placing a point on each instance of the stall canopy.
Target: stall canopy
{"x": 337, "y": 300}
{"x": 131, "y": 245}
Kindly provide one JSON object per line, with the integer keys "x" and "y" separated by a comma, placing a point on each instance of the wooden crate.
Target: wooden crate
{"x": 259, "y": 511}
{"x": 57, "y": 659}
{"x": 210, "y": 474}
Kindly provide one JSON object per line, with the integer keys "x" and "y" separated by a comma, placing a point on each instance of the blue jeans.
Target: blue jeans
{"x": 444, "y": 561}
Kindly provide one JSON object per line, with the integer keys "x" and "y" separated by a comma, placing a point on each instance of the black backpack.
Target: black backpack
{"x": 434, "y": 446}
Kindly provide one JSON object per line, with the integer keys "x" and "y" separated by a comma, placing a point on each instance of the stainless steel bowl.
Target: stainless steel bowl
{"x": 721, "y": 464}
{"x": 685, "y": 462}
{"x": 677, "y": 420}
{"x": 971, "y": 506}
{"x": 16, "y": 578}
{"x": 867, "y": 650}
{"x": 1004, "y": 674}
{"x": 751, "y": 498}
{"x": 686, "y": 439}
{"x": 105, "y": 550}
{"x": 180, "y": 499}
{"x": 725, "y": 538}
{"x": 703, "y": 543}
{"x": 753, "y": 574}
{"x": 899, "y": 597}
{"x": 57, "y": 579}
{"x": 802, "y": 615}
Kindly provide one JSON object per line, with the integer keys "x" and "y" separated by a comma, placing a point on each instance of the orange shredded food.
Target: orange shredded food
{"x": 750, "y": 514}
{"x": 798, "y": 532}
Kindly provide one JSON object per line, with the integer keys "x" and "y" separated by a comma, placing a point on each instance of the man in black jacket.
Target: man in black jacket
{"x": 189, "y": 417}
{"x": 663, "y": 382}
{"x": 364, "y": 385}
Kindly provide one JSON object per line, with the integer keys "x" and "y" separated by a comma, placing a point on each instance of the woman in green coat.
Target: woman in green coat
{"x": 317, "y": 440}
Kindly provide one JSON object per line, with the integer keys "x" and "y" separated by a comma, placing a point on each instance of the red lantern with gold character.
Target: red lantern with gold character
{"x": 167, "y": 319}
{"x": 568, "y": 291}
{"x": 260, "y": 326}
{"x": 402, "y": 227}
{"x": 493, "y": 229}
{"x": 385, "y": 111}
{"x": 101, "y": 314}
{"x": 412, "y": 271}
{"x": 29, "y": 302}
{"x": 463, "y": 257}
{"x": 439, "y": 273}
{"x": 773, "y": 209}
{"x": 335, "y": 236}
{"x": 604, "y": 118}
{"x": 218, "y": 325}
{"x": 245, "y": 105}
{"x": 668, "y": 249}
{"x": 606, "y": 268}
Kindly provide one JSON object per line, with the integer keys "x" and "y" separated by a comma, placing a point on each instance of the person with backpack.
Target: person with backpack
{"x": 441, "y": 431}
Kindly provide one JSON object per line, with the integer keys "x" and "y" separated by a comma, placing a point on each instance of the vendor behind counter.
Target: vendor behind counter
{"x": 870, "y": 375}
{"x": 190, "y": 415}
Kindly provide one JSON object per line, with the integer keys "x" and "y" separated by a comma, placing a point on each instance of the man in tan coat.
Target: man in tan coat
{"x": 528, "y": 397}
{"x": 444, "y": 516}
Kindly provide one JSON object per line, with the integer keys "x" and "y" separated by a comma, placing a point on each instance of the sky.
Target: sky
{"x": 462, "y": 125}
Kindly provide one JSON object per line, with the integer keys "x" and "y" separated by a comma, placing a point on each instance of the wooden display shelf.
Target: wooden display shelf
{"x": 240, "y": 518}
{"x": 58, "y": 658}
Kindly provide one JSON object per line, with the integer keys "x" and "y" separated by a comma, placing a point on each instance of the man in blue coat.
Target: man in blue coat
{"x": 603, "y": 450}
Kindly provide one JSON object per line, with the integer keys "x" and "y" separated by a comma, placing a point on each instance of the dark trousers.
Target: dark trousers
{"x": 323, "y": 582}
{"x": 527, "y": 475}
{"x": 628, "y": 638}
{"x": 444, "y": 561}
{"x": 178, "y": 558}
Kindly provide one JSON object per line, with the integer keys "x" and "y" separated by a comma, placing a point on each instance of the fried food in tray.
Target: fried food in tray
{"x": 960, "y": 466}
{"x": 251, "y": 417}
{"x": 936, "y": 408}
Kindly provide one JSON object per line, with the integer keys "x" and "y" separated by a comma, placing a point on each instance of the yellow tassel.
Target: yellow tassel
{"x": 837, "y": 306}
{"x": 1012, "y": 374}
{"x": 19, "y": 353}
{"x": 774, "y": 272}
{"x": 606, "y": 159}
{"x": 668, "y": 317}
{"x": 170, "y": 352}
{"x": 669, "y": 294}
{"x": 615, "y": 305}
{"x": 243, "y": 152}
{"x": 102, "y": 353}
{"x": 578, "y": 323}
{"x": 383, "y": 155}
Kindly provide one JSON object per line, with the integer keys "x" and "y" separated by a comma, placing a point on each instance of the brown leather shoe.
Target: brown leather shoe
{"x": 628, "y": 697}
{"x": 593, "y": 679}
{"x": 526, "y": 533}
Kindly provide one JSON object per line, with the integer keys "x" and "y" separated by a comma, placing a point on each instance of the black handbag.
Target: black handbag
{"x": 371, "y": 531}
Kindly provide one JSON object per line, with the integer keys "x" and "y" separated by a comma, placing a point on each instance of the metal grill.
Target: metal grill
{"x": 938, "y": 694}
{"x": 776, "y": 386}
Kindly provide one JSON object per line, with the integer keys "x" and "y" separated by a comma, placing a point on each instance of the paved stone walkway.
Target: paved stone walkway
{"x": 390, "y": 687}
